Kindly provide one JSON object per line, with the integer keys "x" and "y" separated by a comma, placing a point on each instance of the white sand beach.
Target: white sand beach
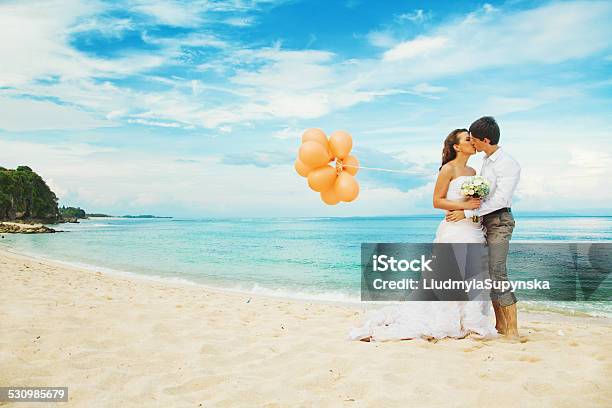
{"x": 119, "y": 341}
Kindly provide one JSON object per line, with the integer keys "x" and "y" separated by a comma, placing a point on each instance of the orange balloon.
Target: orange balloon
{"x": 330, "y": 196}
{"x": 341, "y": 143}
{"x": 329, "y": 152}
{"x": 314, "y": 135}
{"x": 322, "y": 179}
{"x": 346, "y": 187}
{"x": 301, "y": 168}
{"x": 313, "y": 154}
{"x": 351, "y": 161}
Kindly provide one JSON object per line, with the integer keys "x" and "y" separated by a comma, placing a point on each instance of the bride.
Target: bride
{"x": 434, "y": 320}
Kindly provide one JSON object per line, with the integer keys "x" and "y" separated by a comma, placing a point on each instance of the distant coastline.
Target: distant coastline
{"x": 141, "y": 216}
{"x": 27, "y": 202}
{"x": 124, "y": 216}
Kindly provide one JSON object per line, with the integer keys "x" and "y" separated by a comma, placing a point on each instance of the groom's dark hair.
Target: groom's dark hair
{"x": 485, "y": 127}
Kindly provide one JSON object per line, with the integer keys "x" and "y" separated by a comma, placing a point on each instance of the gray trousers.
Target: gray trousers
{"x": 499, "y": 229}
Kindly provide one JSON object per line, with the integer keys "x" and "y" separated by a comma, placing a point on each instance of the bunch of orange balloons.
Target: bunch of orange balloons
{"x": 334, "y": 182}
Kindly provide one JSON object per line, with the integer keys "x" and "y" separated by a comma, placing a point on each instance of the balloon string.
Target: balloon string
{"x": 421, "y": 172}
{"x": 381, "y": 169}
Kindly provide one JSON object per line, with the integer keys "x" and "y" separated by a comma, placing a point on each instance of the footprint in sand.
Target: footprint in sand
{"x": 197, "y": 384}
{"x": 474, "y": 348}
{"x": 537, "y": 389}
{"x": 497, "y": 375}
{"x": 530, "y": 359}
{"x": 212, "y": 349}
{"x": 517, "y": 340}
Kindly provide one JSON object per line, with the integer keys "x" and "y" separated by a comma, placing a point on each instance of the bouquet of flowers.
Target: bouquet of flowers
{"x": 475, "y": 187}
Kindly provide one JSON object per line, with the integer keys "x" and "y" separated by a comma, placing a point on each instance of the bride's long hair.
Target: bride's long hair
{"x": 448, "y": 151}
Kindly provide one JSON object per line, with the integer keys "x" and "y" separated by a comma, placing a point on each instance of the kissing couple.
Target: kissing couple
{"x": 467, "y": 220}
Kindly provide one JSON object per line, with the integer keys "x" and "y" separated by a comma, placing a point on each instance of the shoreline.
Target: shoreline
{"x": 178, "y": 281}
{"x": 525, "y": 306}
{"x": 125, "y": 341}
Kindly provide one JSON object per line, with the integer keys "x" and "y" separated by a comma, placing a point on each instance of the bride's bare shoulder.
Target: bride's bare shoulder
{"x": 471, "y": 170}
{"x": 447, "y": 170}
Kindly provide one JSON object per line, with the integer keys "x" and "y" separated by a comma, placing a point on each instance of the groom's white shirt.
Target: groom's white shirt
{"x": 504, "y": 174}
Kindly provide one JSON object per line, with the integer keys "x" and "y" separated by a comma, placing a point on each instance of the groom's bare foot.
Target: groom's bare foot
{"x": 512, "y": 331}
{"x": 500, "y": 321}
{"x": 512, "y": 334}
{"x": 514, "y": 339}
{"x": 509, "y": 313}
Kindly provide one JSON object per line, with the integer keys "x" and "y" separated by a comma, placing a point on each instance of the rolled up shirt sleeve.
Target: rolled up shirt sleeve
{"x": 508, "y": 174}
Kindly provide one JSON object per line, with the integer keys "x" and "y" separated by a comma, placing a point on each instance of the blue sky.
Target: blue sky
{"x": 196, "y": 108}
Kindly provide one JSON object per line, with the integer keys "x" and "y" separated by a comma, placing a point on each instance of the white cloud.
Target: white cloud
{"x": 190, "y": 40}
{"x": 108, "y": 27}
{"x": 492, "y": 38}
{"x": 417, "y": 16}
{"x": 28, "y": 115}
{"x": 288, "y": 132}
{"x": 381, "y": 39}
{"x": 419, "y": 47}
{"x": 426, "y": 88}
{"x": 154, "y": 123}
{"x": 43, "y": 49}
{"x": 198, "y": 12}
{"x": 287, "y": 86}
{"x": 488, "y": 8}
{"x": 501, "y": 105}
{"x": 529, "y": 100}
{"x": 276, "y": 83}
{"x": 590, "y": 163}
{"x": 101, "y": 180}
{"x": 578, "y": 185}
{"x": 563, "y": 167}
{"x": 172, "y": 13}
{"x": 394, "y": 130}
{"x": 286, "y": 69}
{"x": 240, "y": 21}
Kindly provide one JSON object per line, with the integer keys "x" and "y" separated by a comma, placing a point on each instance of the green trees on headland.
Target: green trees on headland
{"x": 72, "y": 212}
{"x": 24, "y": 195}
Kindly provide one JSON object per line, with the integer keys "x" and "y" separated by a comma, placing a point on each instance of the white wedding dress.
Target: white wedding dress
{"x": 434, "y": 319}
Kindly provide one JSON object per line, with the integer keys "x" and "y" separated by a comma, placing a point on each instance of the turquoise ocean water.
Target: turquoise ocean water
{"x": 311, "y": 258}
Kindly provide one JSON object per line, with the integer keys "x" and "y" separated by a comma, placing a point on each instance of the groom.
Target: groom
{"x": 504, "y": 173}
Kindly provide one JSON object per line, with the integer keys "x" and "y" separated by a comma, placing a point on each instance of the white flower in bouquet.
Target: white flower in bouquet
{"x": 475, "y": 187}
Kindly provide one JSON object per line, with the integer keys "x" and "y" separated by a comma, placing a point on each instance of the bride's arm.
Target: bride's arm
{"x": 441, "y": 189}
